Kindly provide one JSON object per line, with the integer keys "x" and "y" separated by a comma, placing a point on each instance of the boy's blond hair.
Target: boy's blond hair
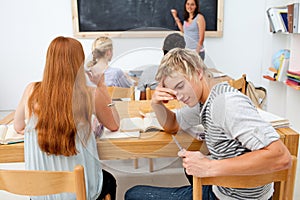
{"x": 184, "y": 61}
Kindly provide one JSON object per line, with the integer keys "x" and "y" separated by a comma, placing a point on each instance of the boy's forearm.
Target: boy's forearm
{"x": 166, "y": 118}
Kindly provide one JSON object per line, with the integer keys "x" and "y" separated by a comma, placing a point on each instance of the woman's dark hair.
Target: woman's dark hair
{"x": 186, "y": 14}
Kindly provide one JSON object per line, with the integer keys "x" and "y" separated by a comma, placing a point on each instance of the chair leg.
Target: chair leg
{"x": 136, "y": 163}
{"x": 107, "y": 197}
{"x": 151, "y": 164}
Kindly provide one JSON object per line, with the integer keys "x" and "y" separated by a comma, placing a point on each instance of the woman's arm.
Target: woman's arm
{"x": 177, "y": 20}
{"x": 201, "y": 29}
{"x": 105, "y": 110}
{"x": 21, "y": 112}
{"x": 271, "y": 158}
{"x": 166, "y": 117}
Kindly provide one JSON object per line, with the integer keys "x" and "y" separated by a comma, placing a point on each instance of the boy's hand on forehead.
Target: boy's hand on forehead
{"x": 163, "y": 94}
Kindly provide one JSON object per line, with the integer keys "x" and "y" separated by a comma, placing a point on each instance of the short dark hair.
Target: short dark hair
{"x": 172, "y": 41}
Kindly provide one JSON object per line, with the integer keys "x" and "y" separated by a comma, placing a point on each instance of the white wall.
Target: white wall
{"x": 31, "y": 25}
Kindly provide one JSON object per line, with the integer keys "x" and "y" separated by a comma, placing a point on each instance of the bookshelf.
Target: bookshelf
{"x": 292, "y": 42}
{"x": 282, "y": 100}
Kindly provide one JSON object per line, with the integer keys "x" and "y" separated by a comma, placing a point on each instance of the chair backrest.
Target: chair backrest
{"x": 285, "y": 177}
{"x": 239, "y": 84}
{"x": 120, "y": 92}
{"x": 40, "y": 183}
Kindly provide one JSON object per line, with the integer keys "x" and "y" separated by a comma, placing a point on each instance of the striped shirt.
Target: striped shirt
{"x": 232, "y": 127}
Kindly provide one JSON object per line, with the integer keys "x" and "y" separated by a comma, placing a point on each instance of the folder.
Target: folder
{"x": 282, "y": 71}
{"x": 278, "y": 18}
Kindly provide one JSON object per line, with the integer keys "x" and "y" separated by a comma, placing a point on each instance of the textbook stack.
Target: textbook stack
{"x": 284, "y": 19}
{"x": 293, "y": 79}
{"x": 275, "y": 120}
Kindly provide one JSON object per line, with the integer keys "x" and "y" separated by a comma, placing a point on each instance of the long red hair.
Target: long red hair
{"x": 61, "y": 100}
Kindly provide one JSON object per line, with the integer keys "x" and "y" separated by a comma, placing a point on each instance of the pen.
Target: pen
{"x": 177, "y": 143}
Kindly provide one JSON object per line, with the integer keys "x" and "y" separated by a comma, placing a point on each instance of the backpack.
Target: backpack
{"x": 258, "y": 95}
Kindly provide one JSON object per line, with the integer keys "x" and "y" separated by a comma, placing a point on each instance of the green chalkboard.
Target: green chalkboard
{"x": 138, "y": 18}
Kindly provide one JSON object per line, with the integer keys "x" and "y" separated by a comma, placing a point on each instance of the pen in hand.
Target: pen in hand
{"x": 182, "y": 151}
{"x": 177, "y": 143}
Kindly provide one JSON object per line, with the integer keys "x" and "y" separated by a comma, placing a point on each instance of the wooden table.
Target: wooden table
{"x": 149, "y": 145}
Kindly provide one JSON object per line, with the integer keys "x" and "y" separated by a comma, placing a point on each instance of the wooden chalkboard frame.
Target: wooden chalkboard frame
{"x": 151, "y": 34}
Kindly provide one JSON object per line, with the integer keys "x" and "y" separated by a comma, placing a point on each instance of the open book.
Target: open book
{"x": 147, "y": 124}
{"x": 275, "y": 120}
{"x": 132, "y": 127}
{"x": 8, "y": 135}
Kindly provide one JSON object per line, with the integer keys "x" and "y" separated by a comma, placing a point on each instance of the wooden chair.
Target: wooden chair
{"x": 40, "y": 183}
{"x": 146, "y": 95}
{"x": 120, "y": 92}
{"x": 149, "y": 93}
{"x": 285, "y": 177}
{"x": 240, "y": 84}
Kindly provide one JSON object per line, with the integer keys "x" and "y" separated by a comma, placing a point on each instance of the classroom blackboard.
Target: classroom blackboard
{"x": 138, "y": 17}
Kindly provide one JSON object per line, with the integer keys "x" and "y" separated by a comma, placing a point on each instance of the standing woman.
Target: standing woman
{"x": 58, "y": 110}
{"x": 193, "y": 27}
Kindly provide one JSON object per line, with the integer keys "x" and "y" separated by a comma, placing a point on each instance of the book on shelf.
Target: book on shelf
{"x": 293, "y": 84}
{"x": 275, "y": 120}
{"x": 296, "y": 21}
{"x": 270, "y": 74}
{"x": 290, "y": 17}
{"x": 297, "y": 73}
{"x": 293, "y": 78}
{"x": 293, "y": 18}
{"x": 282, "y": 71}
{"x": 278, "y": 19}
{"x": 8, "y": 135}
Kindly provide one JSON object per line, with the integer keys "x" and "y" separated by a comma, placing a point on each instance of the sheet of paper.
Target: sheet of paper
{"x": 118, "y": 134}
